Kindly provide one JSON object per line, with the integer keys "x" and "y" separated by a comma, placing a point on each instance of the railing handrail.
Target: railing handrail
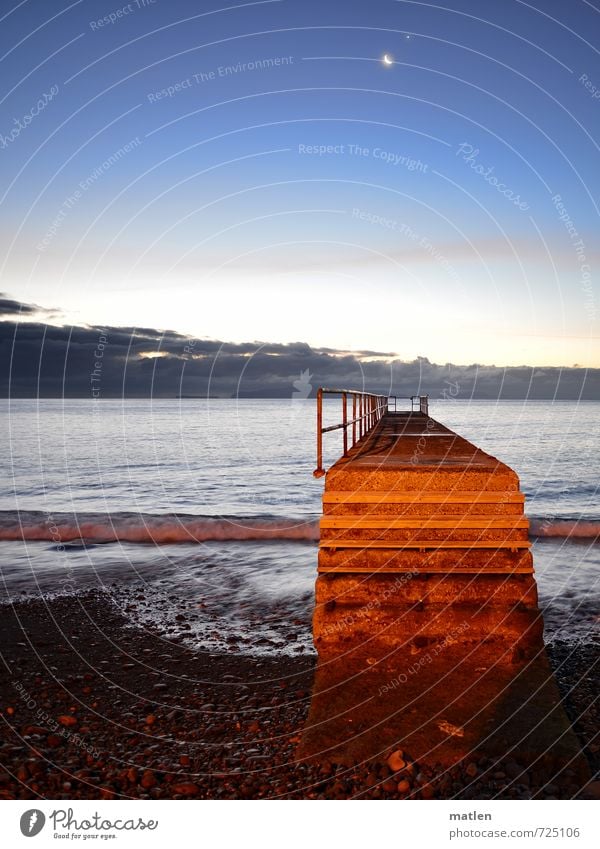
{"x": 371, "y": 407}
{"x": 326, "y": 390}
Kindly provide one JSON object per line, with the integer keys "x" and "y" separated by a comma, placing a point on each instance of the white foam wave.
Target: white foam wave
{"x": 62, "y": 529}
{"x": 565, "y": 528}
{"x": 144, "y": 528}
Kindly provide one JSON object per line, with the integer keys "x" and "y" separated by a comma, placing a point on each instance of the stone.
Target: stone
{"x": 185, "y": 789}
{"x": 403, "y": 786}
{"x": 512, "y": 769}
{"x": 67, "y": 721}
{"x": 148, "y": 779}
{"x": 591, "y": 790}
{"x": 472, "y": 770}
{"x": 396, "y": 760}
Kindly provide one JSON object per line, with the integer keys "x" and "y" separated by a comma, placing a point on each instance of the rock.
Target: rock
{"x": 53, "y": 740}
{"x": 185, "y": 789}
{"x": 472, "y": 770}
{"x": 34, "y": 767}
{"x": 591, "y": 790}
{"x": 512, "y": 769}
{"x": 67, "y": 720}
{"x": 150, "y": 719}
{"x": 148, "y": 779}
{"x": 403, "y": 786}
{"x": 184, "y": 760}
{"x": 571, "y": 791}
{"x": 396, "y": 760}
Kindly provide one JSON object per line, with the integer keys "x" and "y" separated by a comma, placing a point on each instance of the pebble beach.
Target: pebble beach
{"x": 96, "y": 708}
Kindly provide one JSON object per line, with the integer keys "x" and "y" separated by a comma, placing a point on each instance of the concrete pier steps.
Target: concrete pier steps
{"x": 415, "y": 493}
{"x": 426, "y": 621}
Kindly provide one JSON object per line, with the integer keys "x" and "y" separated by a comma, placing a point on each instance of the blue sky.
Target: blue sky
{"x": 259, "y": 173}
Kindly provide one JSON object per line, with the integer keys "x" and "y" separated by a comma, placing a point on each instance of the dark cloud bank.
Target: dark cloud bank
{"x": 41, "y": 360}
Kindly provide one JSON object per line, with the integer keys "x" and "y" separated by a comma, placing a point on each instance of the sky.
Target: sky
{"x": 259, "y": 174}
{"x": 42, "y": 358}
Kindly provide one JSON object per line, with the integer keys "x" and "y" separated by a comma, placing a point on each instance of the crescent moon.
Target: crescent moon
{"x": 387, "y": 60}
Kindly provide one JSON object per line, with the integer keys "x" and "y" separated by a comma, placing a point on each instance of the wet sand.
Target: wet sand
{"x": 93, "y": 708}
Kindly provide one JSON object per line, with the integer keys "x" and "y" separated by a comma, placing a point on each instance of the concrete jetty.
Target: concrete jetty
{"x": 427, "y": 626}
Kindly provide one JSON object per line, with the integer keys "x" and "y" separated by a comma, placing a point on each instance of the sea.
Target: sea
{"x": 199, "y": 517}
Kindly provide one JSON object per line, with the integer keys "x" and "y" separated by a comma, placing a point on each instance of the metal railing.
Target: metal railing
{"x": 367, "y": 410}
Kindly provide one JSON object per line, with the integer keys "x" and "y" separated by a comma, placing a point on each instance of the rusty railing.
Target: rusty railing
{"x": 367, "y": 410}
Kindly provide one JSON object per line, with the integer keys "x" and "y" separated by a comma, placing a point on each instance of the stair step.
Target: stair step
{"x": 430, "y": 570}
{"x": 421, "y": 544}
{"x": 418, "y": 497}
{"x": 356, "y": 522}
{"x": 371, "y": 560}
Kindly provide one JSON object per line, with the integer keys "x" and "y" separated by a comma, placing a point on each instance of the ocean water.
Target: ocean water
{"x": 200, "y": 517}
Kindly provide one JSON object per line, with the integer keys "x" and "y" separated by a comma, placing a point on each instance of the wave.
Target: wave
{"x": 82, "y": 529}
{"x": 565, "y": 528}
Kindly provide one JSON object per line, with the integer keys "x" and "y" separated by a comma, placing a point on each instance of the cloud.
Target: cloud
{"x": 46, "y": 360}
{"x": 9, "y": 308}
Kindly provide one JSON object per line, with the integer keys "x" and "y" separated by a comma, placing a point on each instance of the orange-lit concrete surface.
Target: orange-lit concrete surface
{"x": 426, "y": 622}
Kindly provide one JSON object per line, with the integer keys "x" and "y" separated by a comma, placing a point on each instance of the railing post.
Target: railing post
{"x": 360, "y": 416}
{"x": 353, "y": 420}
{"x": 319, "y": 472}
{"x": 345, "y": 421}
